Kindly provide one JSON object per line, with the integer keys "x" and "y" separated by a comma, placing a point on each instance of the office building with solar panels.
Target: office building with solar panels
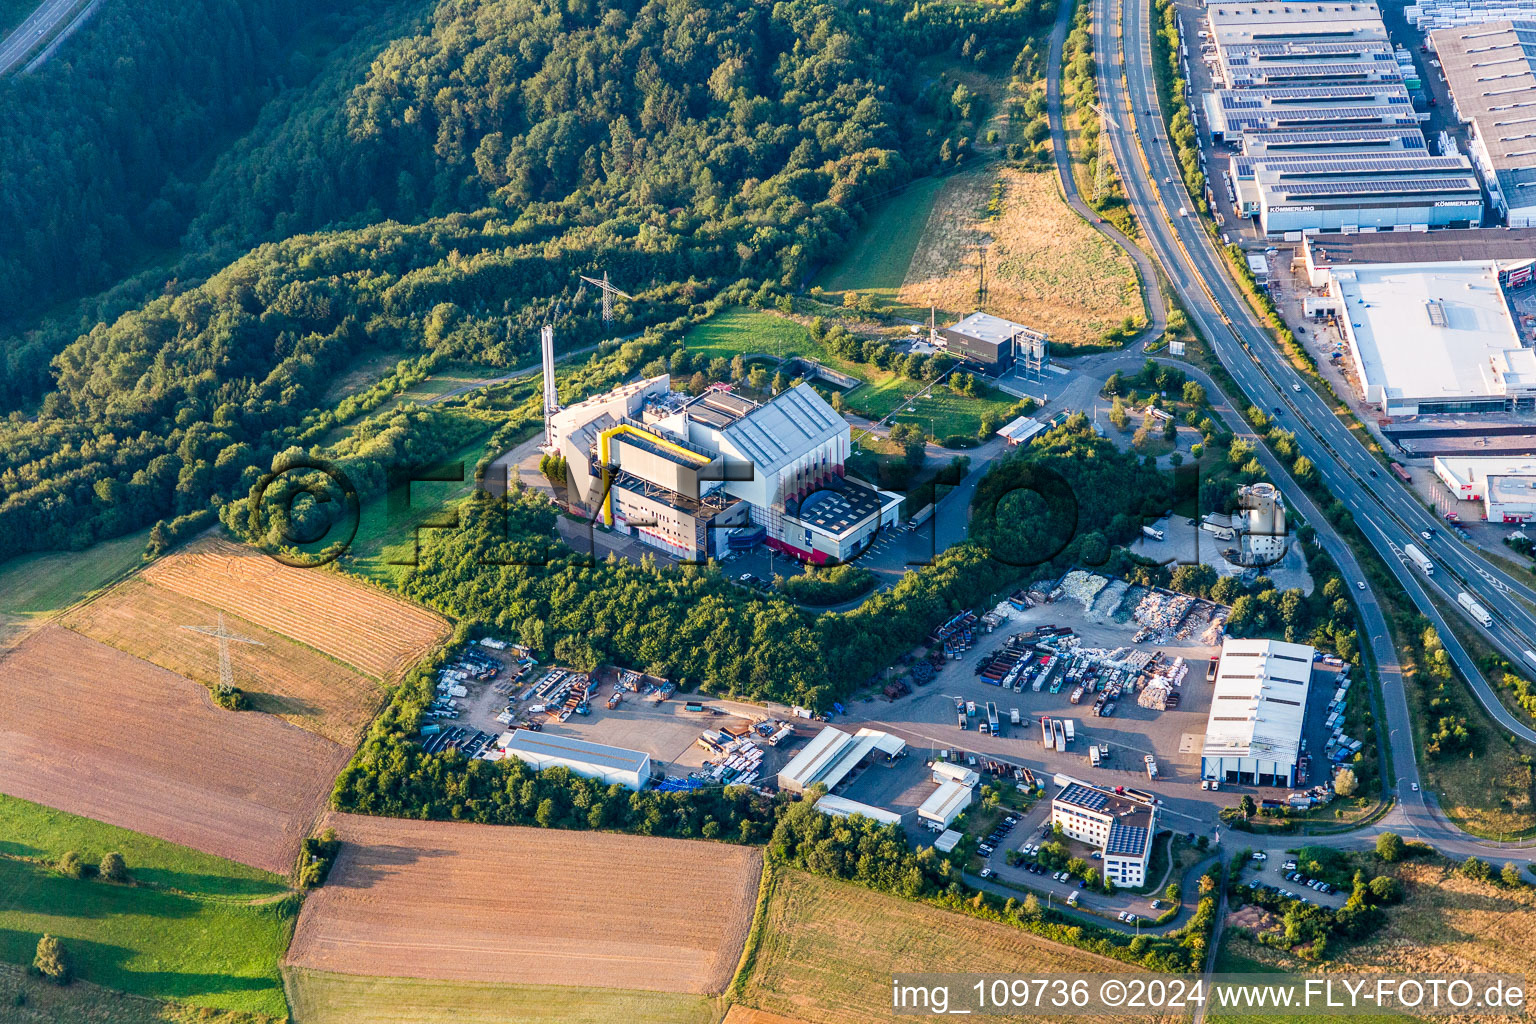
{"x": 696, "y": 476}
{"x": 1119, "y": 824}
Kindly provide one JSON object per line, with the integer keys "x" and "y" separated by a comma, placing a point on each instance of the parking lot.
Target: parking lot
{"x": 927, "y": 719}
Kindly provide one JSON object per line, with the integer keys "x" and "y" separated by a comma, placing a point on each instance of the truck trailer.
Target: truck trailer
{"x": 1067, "y": 723}
{"x": 1474, "y": 609}
{"x": 1060, "y": 733}
{"x": 1419, "y": 559}
{"x": 1045, "y": 733}
{"x": 992, "y": 720}
{"x": 1152, "y": 533}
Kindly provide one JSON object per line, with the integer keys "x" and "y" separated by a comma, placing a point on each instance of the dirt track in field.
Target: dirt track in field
{"x": 345, "y": 618}
{"x": 463, "y": 902}
{"x": 93, "y": 731}
{"x": 283, "y": 678}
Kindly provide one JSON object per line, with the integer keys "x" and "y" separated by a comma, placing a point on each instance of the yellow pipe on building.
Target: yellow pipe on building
{"x": 654, "y": 438}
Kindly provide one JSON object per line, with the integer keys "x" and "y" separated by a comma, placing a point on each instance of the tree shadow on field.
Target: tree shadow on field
{"x": 364, "y": 866}
{"x": 104, "y": 963}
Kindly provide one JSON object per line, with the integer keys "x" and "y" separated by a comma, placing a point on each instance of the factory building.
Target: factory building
{"x": 1383, "y": 191}
{"x": 841, "y": 807}
{"x": 995, "y": 345}
{"x": 684, "y": 474}
{"x": 1253, "y": 734}
{"x": 1335, "y": 142}
{"x": 1491, "y": 71}
{"x": 1506, "y": 486}
{"x": 1429, "y": 15}
{"x": 1119, "y": 825}
{"x": 628, "y": 768}
{"x": 832, "y": 754}
{"x": 1433, "y": 337}
{"x": 1512, "y": 250}
{"x": 1237, "y": 25}
{"x": 1307, "y": 62}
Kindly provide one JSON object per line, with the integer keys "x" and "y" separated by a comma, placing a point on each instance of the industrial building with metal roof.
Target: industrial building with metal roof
{"x": 994, "y": 344}
{"x": 1432, "y": 14}
{"x": 1505, "y": 485}
{"x": 1335, "y": 142}
{"x": 1491, "y": 72}
{"x": 1433, "y": 337}
{"x": 841, "y": 807}
{"x": 1258, "y": 708}
{"x": 1512, "y": 249}
{"x": 832, "y": 754}
{"x": 630, "y": 768}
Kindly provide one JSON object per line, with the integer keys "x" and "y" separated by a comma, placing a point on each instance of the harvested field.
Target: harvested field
{"x": 283, "y": 678}
{"x": 546, "y": 909}
{"x": 96, "y": 732}
{"x": 1045, "y": 267}
{"x": 318, "y": 997}
{"x": 828, "y": 949}
{"x": 351, "y": 621}
{"x": 746, "y": 1015}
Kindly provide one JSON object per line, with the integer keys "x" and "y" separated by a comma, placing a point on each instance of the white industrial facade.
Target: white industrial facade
{"x": 629, "y": 768}
{"x": 1506, "y": 486}
{"x": 1258, "y": 707}
{"x": 1433, "y": 337}
{"x": 1120, "y": 826}
{"x": 841, "y": 807}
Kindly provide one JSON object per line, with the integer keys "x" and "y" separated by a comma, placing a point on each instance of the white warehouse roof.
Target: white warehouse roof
{"x": 841, "y": 807}
{"x": 832, "y": 754}
{"x": 541, "y": 749}
{"x": 1431, "y": 332}
{"x": 1259, "y": 701}
{"x": 945, "y": 803}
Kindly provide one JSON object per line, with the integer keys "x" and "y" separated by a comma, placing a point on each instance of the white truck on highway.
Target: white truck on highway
{"x": 1474, "y": 609}
{"x": 1419, "y": 559}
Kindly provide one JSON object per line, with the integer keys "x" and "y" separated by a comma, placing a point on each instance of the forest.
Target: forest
{"x": 451, "y": 194}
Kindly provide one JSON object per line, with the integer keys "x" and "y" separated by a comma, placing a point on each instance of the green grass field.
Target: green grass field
{"x": 742, "y": 331}
{"x": 36, "y": 832}
{"x": 877, "y": 260}
{"x": 25, "y": 999}
{"x": 38, "y": 586}
{"x": 387, "y": 522}
{"x": 206, "y": 951}
{"x": 321, "y": 998}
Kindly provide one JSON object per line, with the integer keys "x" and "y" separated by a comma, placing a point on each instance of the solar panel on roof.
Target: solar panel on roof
{"x": 1386, "y": 186}
{"x": 1125, "y": 840}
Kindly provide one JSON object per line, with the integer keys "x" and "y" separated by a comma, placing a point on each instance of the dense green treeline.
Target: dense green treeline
{"x": 101, "y": 148}
{"x": 682, "y": 148}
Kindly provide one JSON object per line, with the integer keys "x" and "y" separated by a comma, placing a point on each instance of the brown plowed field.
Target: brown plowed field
{"x": 283, "y": 678}
{"x": 93, "y": 731}
{"x": 349, "y": 620}
{"x": 463, "y": 902}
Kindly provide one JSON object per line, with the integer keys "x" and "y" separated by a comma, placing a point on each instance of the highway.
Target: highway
{"x": 30, "y": 34}
{"x": 1386, "y": 514}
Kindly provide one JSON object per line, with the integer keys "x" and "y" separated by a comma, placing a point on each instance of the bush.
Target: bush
{"x": 316, "y": 857}
{"x": 70, "y": 865}
{"x": 113, "y": 868}
{"x": 1389, "y": 847}
{"x": 51, "y": 961}
{"x": 1386, "y": 889}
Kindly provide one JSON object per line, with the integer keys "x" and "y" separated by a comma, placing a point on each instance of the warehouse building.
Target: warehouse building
{"x": 945, "y": 804}
{"x": 1433, "y": 337}
{"x": 841, "y": 807}
{"x": 1307, "y": 62}
{"x": 1382, "y": 191}
{"x": 1491, "y": 71}
{"x": 1506, "y": 486}
{"x": 1429, "y": 15}
{"x": 684, "y": 474}
{"x": 1335, "y": 142}
{"x": 628, "y": 768}
{"x": 1230, "y": 112}
{"x": 1118, "y": 824}
{"x": 1511, "y": 250}
{"x": 1236, "y": 25}
{"x": 995, "y": 345}
{"x": 1258, "y": 707}
{"x": 832, "y": 754}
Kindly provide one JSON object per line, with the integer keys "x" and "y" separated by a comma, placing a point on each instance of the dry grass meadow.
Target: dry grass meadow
{"x": 482, "y": 903}
{"x": 828, "y": 949}
{"x": 351, "y": 621}
{"x": 1045, "y": 267}
{"x": 296, "y": 683}
{"x": 88, "y": 729}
